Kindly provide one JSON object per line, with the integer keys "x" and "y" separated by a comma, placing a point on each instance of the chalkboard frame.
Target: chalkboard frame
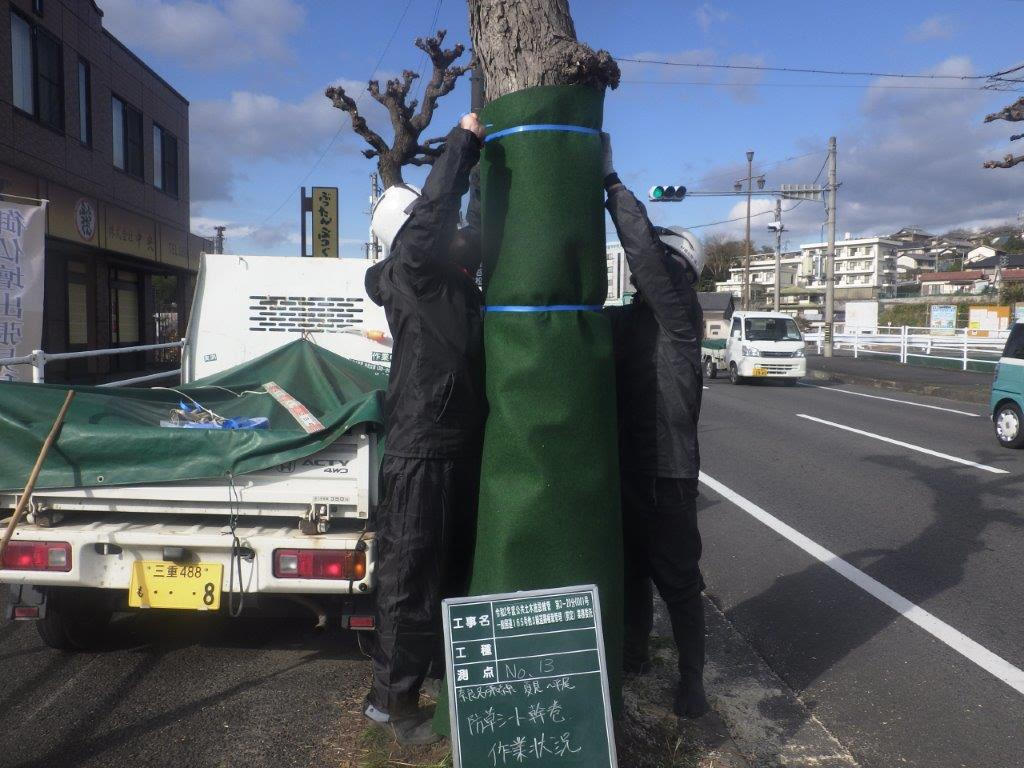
{"x": 526, "y": 594}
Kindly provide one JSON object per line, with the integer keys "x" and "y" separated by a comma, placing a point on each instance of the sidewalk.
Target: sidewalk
{"x": 965, "y": 386}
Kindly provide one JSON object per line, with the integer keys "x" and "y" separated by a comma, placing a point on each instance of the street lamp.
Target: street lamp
{"x": 738, "y": 186}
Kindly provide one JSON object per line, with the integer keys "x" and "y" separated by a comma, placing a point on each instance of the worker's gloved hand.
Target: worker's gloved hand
{"x": 472, "y": 124}
{"x": 607, "y": 167}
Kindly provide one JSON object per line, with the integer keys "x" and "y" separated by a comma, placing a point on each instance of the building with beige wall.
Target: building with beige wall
{"x": 88, "y": 126}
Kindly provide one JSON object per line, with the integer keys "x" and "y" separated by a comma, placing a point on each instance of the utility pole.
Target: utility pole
{"x": 778, "y": 251}
{"x": 374, "y": 249}
{"x": 746, "y": 258}
{"x": 218, "y": 240}
{"x": 830, "y": 263}
{"x": 738, "y": 186}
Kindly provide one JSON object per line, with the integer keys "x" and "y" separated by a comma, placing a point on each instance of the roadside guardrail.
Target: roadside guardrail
{"x": 962, "y": 346}
{"x": 38, "y": 360}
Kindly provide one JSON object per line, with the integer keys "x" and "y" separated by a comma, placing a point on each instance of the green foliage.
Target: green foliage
{"x": 1014, "y": 245}
{"x": 1011, "y": 293}
{"x": 914, "y": 315}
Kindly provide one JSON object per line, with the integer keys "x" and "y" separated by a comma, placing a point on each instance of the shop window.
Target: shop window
{"x": 78, "y": 304}
{"x": 165, "y": 161}
{"x": 125, "y": 317}
{"x": 84, "y": 103}
{"x": 127, "y": 123}
{"x": 37, "y": 72}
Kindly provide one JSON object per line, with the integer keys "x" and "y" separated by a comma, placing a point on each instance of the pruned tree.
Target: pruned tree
{"x": 406, "y": 122}
{"x": 1014, "y": 114}
{"x": 523, "y": 43}
{"x": 721, "y": 254}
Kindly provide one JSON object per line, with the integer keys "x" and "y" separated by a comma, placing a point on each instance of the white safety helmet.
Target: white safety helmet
{"x": 682, "y": 243}
{"x": 391, "y": 211}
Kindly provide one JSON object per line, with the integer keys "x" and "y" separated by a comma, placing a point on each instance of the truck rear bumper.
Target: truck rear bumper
{"x": 102, "y": 554}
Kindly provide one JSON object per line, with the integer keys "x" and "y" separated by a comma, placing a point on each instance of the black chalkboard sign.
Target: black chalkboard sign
{"x": 527, "y": 680}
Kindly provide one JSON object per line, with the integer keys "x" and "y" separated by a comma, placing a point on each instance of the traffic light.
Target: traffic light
{"x": 664, "y": 194}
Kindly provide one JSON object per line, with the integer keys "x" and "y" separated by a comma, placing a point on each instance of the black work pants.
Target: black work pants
{"x": 662, "y": 544}
{"x": 424, "y": 525}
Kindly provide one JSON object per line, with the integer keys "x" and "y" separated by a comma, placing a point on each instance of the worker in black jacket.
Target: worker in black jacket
{"x": 659, "y": 385}
{"x": 434, "y": 412}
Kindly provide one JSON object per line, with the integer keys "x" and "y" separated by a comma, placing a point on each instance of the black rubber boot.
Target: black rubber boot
{"x": 415, "y": 731}
{"x": 690, "y": 701}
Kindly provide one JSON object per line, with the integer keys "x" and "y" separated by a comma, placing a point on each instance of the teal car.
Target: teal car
{"x": 1007, "y": 401}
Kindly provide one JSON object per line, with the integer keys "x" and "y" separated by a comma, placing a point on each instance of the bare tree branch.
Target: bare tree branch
{"x": 1014, "y": 113}
{"x": 443, "y": 75}
{"x": 1007, "y": 162}
{"x": 346, "y": 103}
{"x": 407, "y": 124}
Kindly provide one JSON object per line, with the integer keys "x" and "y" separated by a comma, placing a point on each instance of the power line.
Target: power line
{"x": 423, "y": 58}
{"x": 829, "y": 85}
{"x": 808, "y": 71}
{"x": 760, "y": 168}
{"x": 342, "y": 125}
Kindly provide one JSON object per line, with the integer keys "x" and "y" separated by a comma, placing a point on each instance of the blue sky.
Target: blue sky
{"x": 255, "y": 71}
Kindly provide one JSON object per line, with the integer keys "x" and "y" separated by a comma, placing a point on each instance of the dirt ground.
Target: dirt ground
{"x": 649, "y": 736}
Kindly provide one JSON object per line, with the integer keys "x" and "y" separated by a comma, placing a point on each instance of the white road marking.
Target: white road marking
{"x": 911, "y": 446}
{"x": 940, "y": 630}
{"x": 707, "y": 387}
{"x": 892, "y": 400}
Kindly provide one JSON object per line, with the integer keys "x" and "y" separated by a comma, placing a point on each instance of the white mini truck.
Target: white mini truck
{"x": 760, "y": 345}
{"x": 300, "y": 529}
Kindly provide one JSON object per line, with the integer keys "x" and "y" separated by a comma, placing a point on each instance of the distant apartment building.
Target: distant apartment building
{"x": 793, "y": 272}
{"x": 88, "y": 126}
{"x": 618, "y": 274}
{"x": 865, "y": 268}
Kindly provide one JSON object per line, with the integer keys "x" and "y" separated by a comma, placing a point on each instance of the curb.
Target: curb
{"x": 756, "y": 719}
{"x": 964, "y": 394}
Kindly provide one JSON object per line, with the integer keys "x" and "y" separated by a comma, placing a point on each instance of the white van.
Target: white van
{"x": 762, "y": 345}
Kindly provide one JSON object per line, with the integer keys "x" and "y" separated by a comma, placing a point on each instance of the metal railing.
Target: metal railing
{"x": 38, "y": 360}
{"x": 907, "y": 343}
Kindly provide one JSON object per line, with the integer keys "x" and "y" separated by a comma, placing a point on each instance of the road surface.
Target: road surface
{"x": 833, "y": 519}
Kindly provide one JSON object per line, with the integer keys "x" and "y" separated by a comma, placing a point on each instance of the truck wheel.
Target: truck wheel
{"x": 710, "y": 369}
{"x": 734, "y": 374}
{"x": 76, "y": 619}
{"x": 1008, "y": 423}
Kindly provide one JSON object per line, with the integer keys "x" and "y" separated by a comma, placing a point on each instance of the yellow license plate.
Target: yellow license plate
{"x": 760, "y": 372}
{"x": 192, "y": 587}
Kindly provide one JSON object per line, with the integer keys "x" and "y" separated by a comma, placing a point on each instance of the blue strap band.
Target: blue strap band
{"x": 549, "y": 308}
{"x": 540, "y": 127}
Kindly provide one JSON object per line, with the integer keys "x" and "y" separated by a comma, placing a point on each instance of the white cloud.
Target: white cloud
{"x": 912, "y": 158}
{"x": 205, "y": 35}
{"x": 706, "y": 15}
{"x": 227, "y": 135}
{"x": 934, "y": 28}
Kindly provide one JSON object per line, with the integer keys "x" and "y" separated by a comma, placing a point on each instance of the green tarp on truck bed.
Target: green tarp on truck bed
{"x": 114, "y": 437}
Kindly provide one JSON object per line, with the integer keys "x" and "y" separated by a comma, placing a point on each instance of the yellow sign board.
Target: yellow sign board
{"x": 324, "y": 202}
{"x": 191, "y": 586}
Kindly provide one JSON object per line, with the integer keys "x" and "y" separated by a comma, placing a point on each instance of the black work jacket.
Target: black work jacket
{"x": 435, "y": 405}
{"x": 658, "y": 373}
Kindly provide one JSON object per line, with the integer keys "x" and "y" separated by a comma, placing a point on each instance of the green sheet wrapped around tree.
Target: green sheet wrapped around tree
{"x": 549, "y": 500}
{"x": 114, "y": 437}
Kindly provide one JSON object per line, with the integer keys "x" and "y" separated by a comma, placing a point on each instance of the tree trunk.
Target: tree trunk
{"x": 523, "y": 43}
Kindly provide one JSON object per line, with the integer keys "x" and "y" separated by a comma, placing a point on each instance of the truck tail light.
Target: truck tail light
{"x": 360, "y": 622}
{"x": 37, "y": 556}
{"x": 344, "y": 564}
